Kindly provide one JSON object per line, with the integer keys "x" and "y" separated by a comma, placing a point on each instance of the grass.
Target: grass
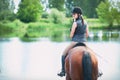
{"x": 96, "y": 24}
{"x": 43, "y": 28}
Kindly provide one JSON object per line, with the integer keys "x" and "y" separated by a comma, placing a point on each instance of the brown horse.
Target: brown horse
{"x": 81, "y": 64}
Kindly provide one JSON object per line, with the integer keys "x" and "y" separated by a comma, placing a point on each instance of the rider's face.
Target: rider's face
{"x": 75, "y": 15}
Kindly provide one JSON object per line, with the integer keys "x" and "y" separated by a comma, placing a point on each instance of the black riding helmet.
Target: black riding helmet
{"x": 77, "y": 10}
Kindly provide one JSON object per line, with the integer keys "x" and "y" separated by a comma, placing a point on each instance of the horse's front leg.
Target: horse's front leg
{"x": 68, "y": 77}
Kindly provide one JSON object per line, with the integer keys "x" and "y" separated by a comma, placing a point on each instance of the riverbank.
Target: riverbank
{"x": 97, "y": 24}
{"x": 45, "y": 28}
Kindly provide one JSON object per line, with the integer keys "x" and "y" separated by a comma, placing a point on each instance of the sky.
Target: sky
{"x": 16, "y": 5}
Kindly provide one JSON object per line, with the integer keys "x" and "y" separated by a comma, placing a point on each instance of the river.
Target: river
{"x": 40, "y": 60}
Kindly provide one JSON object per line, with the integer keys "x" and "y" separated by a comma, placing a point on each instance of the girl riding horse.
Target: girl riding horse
{"x": 78, "y": 34}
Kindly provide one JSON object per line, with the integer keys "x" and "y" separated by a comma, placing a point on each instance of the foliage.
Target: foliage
{"x": 44, "y": 28}
{"x": 69, "y": 7}
{"x": 58, "y": 4}
{"x": 88, "y": 7}
{"x": 108, "y": 13}
{"x": 45, "y": 15}
{"x": 95, "y": 23}
{"x": 34, "y": 29}
{"x": 7, "y": 10}
{"x": 56, "y": 16}
{"x": 29, "y": 11}
{"x": 11, "y": 29}
{"x": 117, "y": 11}
{"x": 4, "y": 29}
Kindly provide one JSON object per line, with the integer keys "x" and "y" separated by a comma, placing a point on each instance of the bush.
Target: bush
{"x": 7, "y": 15}
{"x": 45, "y": 15}
{"x": 56, "y": 16}
{"x": 44, "y": 20}
{"x": 4, "y": 29}
{"x": 12, "y": 29}
{"x": 36, "y": 29}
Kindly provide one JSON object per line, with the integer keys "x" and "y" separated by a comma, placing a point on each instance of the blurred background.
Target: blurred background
{"x": 34, "y": 33}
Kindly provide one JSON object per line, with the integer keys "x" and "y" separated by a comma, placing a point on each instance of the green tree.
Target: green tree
{"x": 108, "y": 13}
{"x": 116, "y": 5}
{"x": 29, "y": 10}
{"x": 59, "y": 4}
{"x": 6, "y": 9}
{"x": 88, "y": 6}
{"x": 69, "y": 6}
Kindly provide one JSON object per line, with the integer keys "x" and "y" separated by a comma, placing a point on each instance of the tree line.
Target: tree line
{"x": 6, "y": 9}
{"x": 88, "y": 6}
{"x": 31, "y": 10}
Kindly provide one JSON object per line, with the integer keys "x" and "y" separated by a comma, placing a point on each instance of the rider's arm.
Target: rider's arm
{"x": 73, "y": 29}
{"x": 87, "y": 31}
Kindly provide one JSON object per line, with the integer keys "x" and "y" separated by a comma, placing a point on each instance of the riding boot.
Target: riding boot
{"x": 62, "y": 73}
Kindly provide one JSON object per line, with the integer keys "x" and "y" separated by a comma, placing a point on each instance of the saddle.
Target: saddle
{"x": 79, "y": 44}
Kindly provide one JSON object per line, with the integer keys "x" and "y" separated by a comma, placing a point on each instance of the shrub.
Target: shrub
{"x": 56, "y": 16}
{"x": 12, "y": 29}
{"x": 45, "y": 15}
{"x": 4, "y": 29}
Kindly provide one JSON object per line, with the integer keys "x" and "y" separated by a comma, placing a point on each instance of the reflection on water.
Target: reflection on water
{"x": 96, "y": 35}
{"x": 104, "y": 35}
{"x": 41, "y": 59}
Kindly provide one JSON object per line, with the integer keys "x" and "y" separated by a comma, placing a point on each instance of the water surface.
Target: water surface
{"x": 40, "y": 60}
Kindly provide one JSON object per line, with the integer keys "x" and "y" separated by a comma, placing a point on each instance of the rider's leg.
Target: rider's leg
{"x": 62, "y": 73}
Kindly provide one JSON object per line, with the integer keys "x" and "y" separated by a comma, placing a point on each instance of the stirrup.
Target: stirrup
{"x": 61, "y": 74}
